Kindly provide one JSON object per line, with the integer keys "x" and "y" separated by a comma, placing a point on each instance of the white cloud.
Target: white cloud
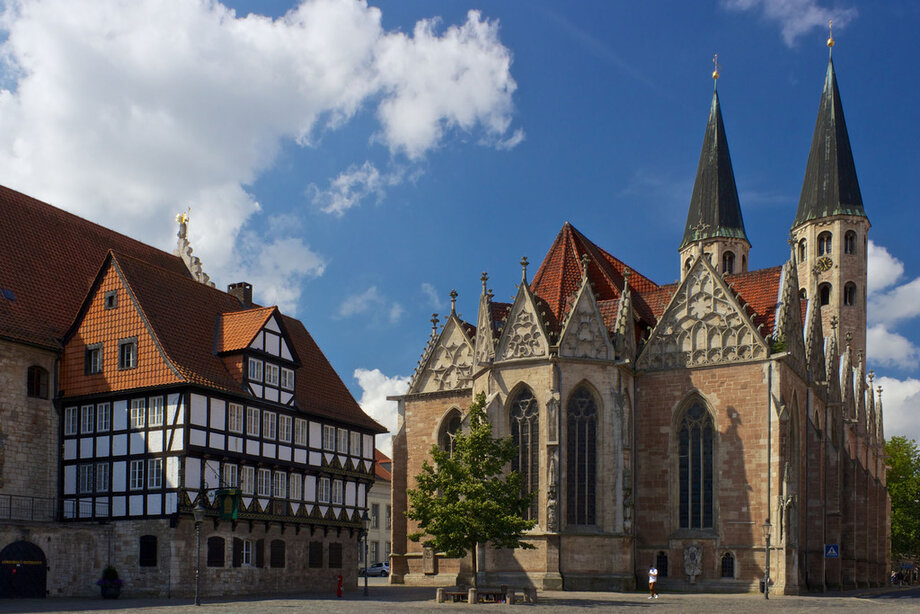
{"x": 884, "y": 269}
{"x": 375, "y": 388}
{"x": 127, "y": 112}
{"x": 371, "y": 300}
{"x": 431, "y": 294}
{"x": 276, "y": 269}
{"x": 900, "y": 403}
{"x": 352, "y": 186}
{"x": 900, "y": 303}
{"x": 888, "y": 349}
{"x": 795, "y": 17}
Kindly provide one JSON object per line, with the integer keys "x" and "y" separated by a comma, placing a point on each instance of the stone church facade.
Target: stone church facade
{"x": 675, "y": 424}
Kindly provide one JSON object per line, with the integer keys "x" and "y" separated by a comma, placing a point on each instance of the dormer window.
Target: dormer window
{"x": 255, "y": 369}
{"x": 271, "y": 374}
{"x": 287, "y": 378}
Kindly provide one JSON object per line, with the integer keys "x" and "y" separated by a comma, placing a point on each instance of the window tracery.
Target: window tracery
{"x": 695, "y": 468}
{"x": 525, "y": 434}
{"x": 582, "y": 458}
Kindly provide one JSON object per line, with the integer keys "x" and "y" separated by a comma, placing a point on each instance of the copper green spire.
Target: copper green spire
{"x": 714, "y": 208}
{"x": 830, "y": 186}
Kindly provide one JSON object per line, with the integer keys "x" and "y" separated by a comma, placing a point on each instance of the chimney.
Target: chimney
{"x": 242, "y": 291}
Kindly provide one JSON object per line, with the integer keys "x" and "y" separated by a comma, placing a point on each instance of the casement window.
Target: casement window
{"x": 329, "y": 438}
{"x": 93, "y": 361}
{"x": 375, "y": 551}
{"x": 296, "y": 487}
{"x": 343, "y": 441}
{"x": 247, "y": 480}
{"x": 138, "y": 408}
{"x": 255, "y": 369}
{"x": 279, "y": 488}
{"x": 70, "y": 420}
{"x": 136, "y": 475}
{"x": 355, "y": 444}
{"x": 103, "y": 417}
{"x": 389, "y": 516}
{"x": 695, "y": 468}
{"x": 375, "y": 515}
{"x": 235, "y": 422}
{"x": 247, "y": 552}
{"x": 271, "y": 374}
{"x": 337, "y": 492}
{"x": 102, "y": 477}
{"x": 284, "y": 428}
{"x": 127, "y": 353}
{"x": 287, "y": 378}
{"x": 147, "y": 552}
{"x": 525, "y": 434}
{"x": 86, "y": 418}
{"x": 85, "y": 478}
{"x": 252, "y": 421}
{"x": 155, "y": 473}
{"x": 581, "y": 475}
{"x": 231, "y": 477}
{"x": 300, "y": 432}
{"x": 110, "y": 299}
{"x": 322, "y": 490}
{"x": 265, "y": 483}
{"x": 269, "y": 424}
{"x": 155, "y": 413}
{"x": 335, "y": 556}
{"x": 37, "y": 382}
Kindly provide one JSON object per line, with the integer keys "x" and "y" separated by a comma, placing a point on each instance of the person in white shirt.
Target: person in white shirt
{"x": 652, "y": 581}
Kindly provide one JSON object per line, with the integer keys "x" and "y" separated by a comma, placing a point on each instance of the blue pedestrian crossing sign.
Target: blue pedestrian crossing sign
{"x": 831, "y": 551}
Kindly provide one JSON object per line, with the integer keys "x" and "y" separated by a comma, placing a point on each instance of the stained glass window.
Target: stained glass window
{"x": 582, "y": 458}
{"x": 695, "y": 469}
{"x": 526, "y": 436}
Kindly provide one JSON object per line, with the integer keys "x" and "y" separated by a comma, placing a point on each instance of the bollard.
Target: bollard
{"x": 440, "y": 595}
{"x": 340, "y": 590}
{"x": 472, "y": 596}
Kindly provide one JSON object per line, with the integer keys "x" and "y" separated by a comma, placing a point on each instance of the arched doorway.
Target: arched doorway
{"x": 23, "y": 570}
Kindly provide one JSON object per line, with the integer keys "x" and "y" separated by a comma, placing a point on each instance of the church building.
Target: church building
{"x": 141, "y": 409}
{"x": 722, "y": 428}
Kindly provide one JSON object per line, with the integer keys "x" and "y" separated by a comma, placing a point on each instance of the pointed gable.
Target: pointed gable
{"x": 584, "y": 334}
{"x": 524, "y": 335}
{"x": 239, "y": 329}
{"x": 449, "y": 361}
{"x": 788, "y": 329}
{"x": 625, "y": 327}
{"x": 703, "y": 325}
{"x": 830, "y": 186}
{"x": 714, "y": 208}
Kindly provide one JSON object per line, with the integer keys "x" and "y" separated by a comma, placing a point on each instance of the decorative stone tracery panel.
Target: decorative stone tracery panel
{"x": 585, "y": 335}
{"x": 450, "y": 365}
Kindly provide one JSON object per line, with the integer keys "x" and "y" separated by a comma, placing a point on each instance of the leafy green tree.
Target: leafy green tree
{"x": 467, "y": 498}
{"x": 903, "y": 460}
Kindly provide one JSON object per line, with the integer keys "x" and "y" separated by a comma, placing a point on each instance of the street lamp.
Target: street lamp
{"x": 365, "y": 528}
{"x": 767, "y": 528}
{"x": 199, "y": 513}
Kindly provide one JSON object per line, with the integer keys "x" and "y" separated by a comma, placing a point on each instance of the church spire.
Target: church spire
{"x": 830, "y": 187}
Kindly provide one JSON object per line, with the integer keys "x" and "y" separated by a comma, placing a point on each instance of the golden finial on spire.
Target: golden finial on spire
{"x": 830, "y": 34}
{"x": 715, "y": 63}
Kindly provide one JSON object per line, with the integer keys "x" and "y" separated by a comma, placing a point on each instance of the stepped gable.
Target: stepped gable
{"x": 63, "y": 251}
{"x": 559, "y": 276}
{"x": 184, "y": 316}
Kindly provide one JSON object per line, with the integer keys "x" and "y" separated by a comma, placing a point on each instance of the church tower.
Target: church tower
{"x": 830, "y": 230}
{"x": 714, "y": 223}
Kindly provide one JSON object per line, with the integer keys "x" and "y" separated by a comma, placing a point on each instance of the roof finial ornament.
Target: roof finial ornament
{"x": 585, "y": 259}
{"x": 183, "y": 219}
{"x": 524, "y": 269}
{"x": 434, "y": 324}
{"x": 453, "y": 302}
{"x": 484, "y": 278}
{"x": 871, "y": 377}
{"x": 830, "y": 37}
{"x": 715, "y": 72}
{"x": 627, "y": 272}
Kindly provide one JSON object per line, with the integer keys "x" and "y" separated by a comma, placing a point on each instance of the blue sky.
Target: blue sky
{"x": 355, "y": 162}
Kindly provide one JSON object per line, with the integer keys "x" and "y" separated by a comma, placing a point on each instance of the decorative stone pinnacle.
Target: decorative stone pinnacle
{"x": 453, "y": 302}
{"x": 524, "y": 264}
{"x": 484, "y": 278}
{"x": 434, "y": 323}
{"x": 849, "y": 337}
{"x": 871, "y": 377}
{"x": 585, "y": 259}
{"x": 834, "y": 322}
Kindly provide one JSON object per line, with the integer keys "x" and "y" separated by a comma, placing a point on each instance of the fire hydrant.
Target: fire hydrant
{"x": 340, "y": 589}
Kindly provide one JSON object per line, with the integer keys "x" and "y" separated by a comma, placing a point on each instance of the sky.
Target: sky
{"x": 356, "y": 161}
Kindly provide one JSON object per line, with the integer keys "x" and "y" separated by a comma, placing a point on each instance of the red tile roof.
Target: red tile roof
{"x": 237, "y": 330}
{"x": 760, "y": 289}
{"x": 381, "y": 459}
{"x": 49, "y": 260}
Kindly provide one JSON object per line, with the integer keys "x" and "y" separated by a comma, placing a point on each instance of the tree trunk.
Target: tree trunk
{"x": 475, "y": 570}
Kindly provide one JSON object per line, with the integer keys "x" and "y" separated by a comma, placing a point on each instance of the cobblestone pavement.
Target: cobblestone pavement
{"x": 384, "y": 598}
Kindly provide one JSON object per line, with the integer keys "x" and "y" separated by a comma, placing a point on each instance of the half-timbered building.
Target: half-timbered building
{"x": 136, "y": 392}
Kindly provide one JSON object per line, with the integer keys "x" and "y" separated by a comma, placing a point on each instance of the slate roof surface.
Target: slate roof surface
{"x": 49, "y": 260}
{"x": 830, "y": 186}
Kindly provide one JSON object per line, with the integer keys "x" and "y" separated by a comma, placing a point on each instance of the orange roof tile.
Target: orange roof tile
{"x": 760, "y": 290}
{"x": 381, "y": 459}
{"x": 238, "y": 329}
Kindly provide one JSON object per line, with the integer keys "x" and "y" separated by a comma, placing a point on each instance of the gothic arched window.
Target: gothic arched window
{"x": 728, "y": 262}
{"x": 825, "y": 240}
{"x": 687, "y": 264}
{"x": 728, "y": 565}
{"x": 803, "y": 294}
{"x": 581, "y": 468}
{"x": 695, "y": 444}
{"x": 824, "y": 291}
{"x": 802, "y": 250}
{"x": 849, "y": 294}
{"x": 526, "y": 436}
{"x": 37, "y": 382}
{"x": 449, "y": 427}
{"x": 849, "y": 242}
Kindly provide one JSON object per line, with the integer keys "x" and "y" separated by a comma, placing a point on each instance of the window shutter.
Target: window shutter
{"x": 260, "y": 553}
{"x": 237, "y": 552}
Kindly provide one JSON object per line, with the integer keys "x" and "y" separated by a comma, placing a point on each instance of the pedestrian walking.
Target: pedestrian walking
{"x": 652, "y": 582}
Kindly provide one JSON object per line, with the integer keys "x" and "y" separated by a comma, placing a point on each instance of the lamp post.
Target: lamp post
{"x": 365, "y": 528}
{"x": 199, "y": 513}
{"x": 767, "y": 528}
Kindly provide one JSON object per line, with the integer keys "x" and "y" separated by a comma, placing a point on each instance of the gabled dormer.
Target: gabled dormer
{"x": 256, "y": 349}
